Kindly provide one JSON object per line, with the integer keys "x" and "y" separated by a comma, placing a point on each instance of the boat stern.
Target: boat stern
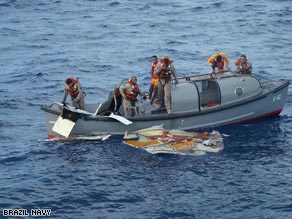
{"x": 52, "y": 113}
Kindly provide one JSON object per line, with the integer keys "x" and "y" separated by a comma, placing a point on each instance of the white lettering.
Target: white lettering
{"x": 40, "y": 212}
{"x": 276, "y": 98}
{"x": 15, "y": 212}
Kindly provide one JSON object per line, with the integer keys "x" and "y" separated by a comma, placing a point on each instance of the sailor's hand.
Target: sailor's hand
{"x": 226, "y": 69}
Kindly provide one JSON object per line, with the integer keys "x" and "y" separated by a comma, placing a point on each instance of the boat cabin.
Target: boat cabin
{"x": 194, "y": 94}
{"x": 199, "y": 94}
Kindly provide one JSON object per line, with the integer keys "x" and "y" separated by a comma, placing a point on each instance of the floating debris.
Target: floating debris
{"x": 157, "y": 140}
{"x": 92, "y": 138}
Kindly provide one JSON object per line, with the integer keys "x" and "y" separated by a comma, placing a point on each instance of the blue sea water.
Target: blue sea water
{"x": 43, "y": 42}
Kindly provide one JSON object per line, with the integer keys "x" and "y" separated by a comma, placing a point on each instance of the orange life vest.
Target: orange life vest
{"x": 165, "y": 74}
{"x": 245, "y": 69}
{"x": 154, "y": 76}
{"x": 219, "y": 65}
{"x": 166, "y": 57}
{"x": 131, "y": 94}
{"x": 73, "y": 90}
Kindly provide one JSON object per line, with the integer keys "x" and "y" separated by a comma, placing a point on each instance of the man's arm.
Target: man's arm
{"x": 157, "y": 70}
{"x": 211, "y": 59}
{"x": 65, "y": 95}
{"x": 250, "y": 67}
{"x": 225, "y": 57}
{"x": 122, "y": 91}
{"x": 173, "y": 72}
{"x": 80, "y": 93}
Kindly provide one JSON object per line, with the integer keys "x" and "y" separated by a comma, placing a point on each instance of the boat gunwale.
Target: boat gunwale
{"x": 185, "y": 114}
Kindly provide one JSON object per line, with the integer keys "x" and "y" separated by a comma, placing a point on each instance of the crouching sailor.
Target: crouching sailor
{"x": 130, "y": 91}
{"x": 73, "y": 87}
{"x": 218, "y": 60}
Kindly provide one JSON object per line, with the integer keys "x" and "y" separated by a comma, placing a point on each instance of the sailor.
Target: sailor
{"x": 130, "y": 91}
{"x": 165, "y": 70}
{"x": 242, "y": 65}
{"x": 153, "y": 90}
{"x": 73, "y": 87}
{"x": 220, "y": 61}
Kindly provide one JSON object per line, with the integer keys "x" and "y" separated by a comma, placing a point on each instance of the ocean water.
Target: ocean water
{"x": 43, "y": 42}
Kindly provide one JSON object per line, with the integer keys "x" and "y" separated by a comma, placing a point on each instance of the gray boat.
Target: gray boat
{"x": 197, "y": 102}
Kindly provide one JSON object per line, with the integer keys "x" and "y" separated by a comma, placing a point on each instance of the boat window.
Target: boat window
{"x": 209, "y": 93}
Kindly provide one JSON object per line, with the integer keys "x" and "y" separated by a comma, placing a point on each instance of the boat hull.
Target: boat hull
{"x": 269, "y": 104}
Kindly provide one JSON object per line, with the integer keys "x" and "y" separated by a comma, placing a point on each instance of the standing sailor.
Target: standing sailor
{"x": 73, "y": 87}
{"x": 165, "y": 70}
{"x": 153, "y": 90}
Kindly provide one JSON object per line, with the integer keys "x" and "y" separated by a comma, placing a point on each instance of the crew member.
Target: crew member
{"x": 73, "y": 87}
{"x": 153, "y": 90}
{"x": 220, "y": 61}
{"x": 165, "y": 70}
{"x": 242, "y": 65}
{"x": 130, "y": 91}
